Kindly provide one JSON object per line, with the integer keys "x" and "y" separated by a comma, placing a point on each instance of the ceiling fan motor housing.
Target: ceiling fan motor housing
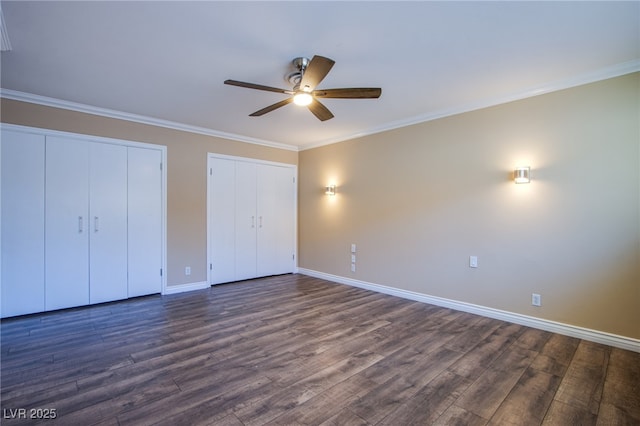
{"x": 300, "y": 64}
{"x": 294, "y": 78}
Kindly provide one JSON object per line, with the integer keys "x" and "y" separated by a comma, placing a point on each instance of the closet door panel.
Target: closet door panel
{"x": 287, "y": 222}
{"x": 285, "y": 225}
{"x": 66, "y": 223}
{"x": 246, "y": 221}
{"x": 145, "y": 221}
{"x": 275, "y": 220}
{"x": 22, "y": 191}
{"x": 222, "y": 217}
{"x": 107, "y": 222}
{"x": 267, "y": 212}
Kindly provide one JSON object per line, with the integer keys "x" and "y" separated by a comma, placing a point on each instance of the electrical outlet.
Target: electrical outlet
{"x": 536, "y": 300}
{"x": 353, "y": 248}
{"x": 187, "y": 270}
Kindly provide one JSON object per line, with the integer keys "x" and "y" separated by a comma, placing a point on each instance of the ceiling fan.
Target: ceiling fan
{"x": 308, "y": 74}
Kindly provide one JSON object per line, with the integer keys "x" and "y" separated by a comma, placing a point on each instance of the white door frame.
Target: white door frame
{"x": 161, "y": 148}
{"x": 294, "y": 167}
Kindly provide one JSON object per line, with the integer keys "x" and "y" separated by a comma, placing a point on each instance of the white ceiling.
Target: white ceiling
{"x": 166, "y": 61}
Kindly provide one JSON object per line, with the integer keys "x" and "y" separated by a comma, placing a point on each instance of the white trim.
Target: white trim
{"x": 554, "y": 86}
{"x": 182, "y": 288}
{"x": 249, "y": 160}
{"x": 165, "y": 221}
{"x": 585, "y": 78}
{"x": 526, "y": 320}
{"x": 80, "y": 136}
{"x": 119, "y": 115}
{"x": 1, "y": 227}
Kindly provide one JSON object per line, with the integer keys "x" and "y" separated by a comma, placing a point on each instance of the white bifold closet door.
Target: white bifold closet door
{"x": 145, "y": 221}
{"x": 251, "y": 219}
{"x": 22, "y": 195}
{"x": 222, "y": 220}
{"x": 82, "y": 220}
{"x": 275, "y": 209}
{"x": 246, "y": 220}
{"x": 107, "y": 222}
{"x": 85, "y": 222}
{"x": 66, "y": 223}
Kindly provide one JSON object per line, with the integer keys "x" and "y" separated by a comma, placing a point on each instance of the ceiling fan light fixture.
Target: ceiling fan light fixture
{"x": 308, "y": 74}
{"x": 302, "y": 99}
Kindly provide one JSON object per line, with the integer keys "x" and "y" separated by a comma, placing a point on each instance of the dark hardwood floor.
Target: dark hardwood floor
{"x": 296, "y": 350}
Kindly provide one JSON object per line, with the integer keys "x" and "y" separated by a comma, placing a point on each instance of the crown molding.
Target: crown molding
{"x": 554, "y": 86}
{"x": 109, "y": 113}
{"x": 579, "y": 80}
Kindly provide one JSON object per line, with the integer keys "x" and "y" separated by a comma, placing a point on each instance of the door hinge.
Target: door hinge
{"x": 160, "y": 271}
{"x": 210, "y": 172}
{"x": 160, "y": 166}
{"x": 211, "y": 266}
{"x": 293, "y": 257}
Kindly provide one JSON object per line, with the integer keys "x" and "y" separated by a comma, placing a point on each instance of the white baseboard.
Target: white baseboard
{"x": 542, "y": 324}
{"x": 181, "y": 288}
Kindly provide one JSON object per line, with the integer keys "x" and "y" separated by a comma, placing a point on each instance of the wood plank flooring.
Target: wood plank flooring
{"x": 293, "y": 350}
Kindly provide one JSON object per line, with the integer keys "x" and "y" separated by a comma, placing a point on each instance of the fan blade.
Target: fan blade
{"x": 320, "y": 110}
{"x": 350, "y": 93}
{"x": 271, "y": 107}
{"x": 257, "y": 86}
{"x": 316, "y": 71}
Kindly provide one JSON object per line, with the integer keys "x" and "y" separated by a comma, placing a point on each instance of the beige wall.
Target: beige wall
{"x": 186, "y": 173}
{"x": 418, "y": 201}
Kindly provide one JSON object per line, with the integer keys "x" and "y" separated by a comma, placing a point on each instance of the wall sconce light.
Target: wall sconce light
{"x": 522, "y": 175}
{"x": 330, "y": 190}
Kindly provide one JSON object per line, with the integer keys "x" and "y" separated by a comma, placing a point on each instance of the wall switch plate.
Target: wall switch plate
{"x": 353, "y": 267}
{"x": 187, "y": 270}
{"x": 473, "y": 261}
{"x": 353, "y": 248}
{"x": 353, "y": 258}
{"x": 536, "y": 300}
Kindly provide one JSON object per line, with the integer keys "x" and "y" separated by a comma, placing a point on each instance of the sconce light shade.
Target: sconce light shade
{"x": 330, "y": 190}
{"x": 522, "y": 175}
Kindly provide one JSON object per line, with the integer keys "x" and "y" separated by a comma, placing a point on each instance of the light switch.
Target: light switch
{"x": 353, "y": 248}
{"x": 473, "y": 261}
{"x": 536, "y": 300}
